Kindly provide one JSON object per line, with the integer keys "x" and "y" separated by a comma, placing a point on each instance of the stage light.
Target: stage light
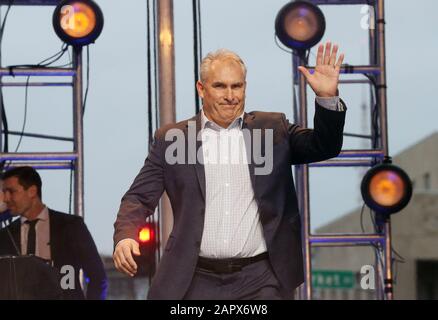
{"x": 300, "y": 25}
{"x": 145, "y": 234}
{"x": 78, "y": 22}
{"x": 146, "y": 262}
{"x": 386, "y": 189}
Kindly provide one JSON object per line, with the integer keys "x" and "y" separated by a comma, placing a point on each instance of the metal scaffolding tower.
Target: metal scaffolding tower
{"x": 375, "y": 74}
{"x": 73, "y": 160}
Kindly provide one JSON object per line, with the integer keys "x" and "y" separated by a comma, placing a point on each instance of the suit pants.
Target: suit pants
{"x": 255, "y": 281}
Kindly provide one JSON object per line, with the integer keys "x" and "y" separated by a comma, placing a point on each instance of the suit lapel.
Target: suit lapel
{"x": 15, "y": 229}
{"x": 54, "y": 236}
{"x": 191, "y": 135}
{"x": 248, "y": 135}
{"x": 248, "y": 124}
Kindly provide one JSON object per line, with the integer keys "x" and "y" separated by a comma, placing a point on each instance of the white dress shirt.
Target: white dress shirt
{"x": 232, "y": 227}
{"x": 42, "y": 231}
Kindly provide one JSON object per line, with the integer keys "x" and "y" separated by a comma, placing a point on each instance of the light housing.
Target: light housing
{"x": 78, "y": 22}
{"x": 146, "y": 261}
{"x": 300, "y": 25}
{"x": 386, "y": 189}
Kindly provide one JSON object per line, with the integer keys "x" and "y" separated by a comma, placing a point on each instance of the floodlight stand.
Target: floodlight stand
{"x": 349, "y": 158}
{"x": 73, "y": 160}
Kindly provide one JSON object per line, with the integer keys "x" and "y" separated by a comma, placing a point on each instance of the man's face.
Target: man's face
{"x": 223, "y": 92}
{"x": 17, "y": 198}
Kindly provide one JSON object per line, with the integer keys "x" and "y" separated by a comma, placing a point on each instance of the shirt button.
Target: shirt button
{"x": 227, "y": 184}
{"x": 227, "y": 212}
{"x": 225, "y": 241}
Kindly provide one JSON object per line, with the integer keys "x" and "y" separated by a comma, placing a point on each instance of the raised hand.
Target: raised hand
{"x": 324, "y": 81}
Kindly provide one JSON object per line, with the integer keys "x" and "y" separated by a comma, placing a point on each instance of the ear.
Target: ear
{"x": 200, "y": 88}
{"x": 33, "y": 191}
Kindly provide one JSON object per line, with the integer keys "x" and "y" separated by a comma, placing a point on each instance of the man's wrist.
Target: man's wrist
{"x": 329, "y": 103}
{"x": 124, "y": 240}
{"x": 328, "y": 95}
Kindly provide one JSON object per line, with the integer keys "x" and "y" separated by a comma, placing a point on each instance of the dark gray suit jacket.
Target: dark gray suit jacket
{"x": 274, "y": 193}
{"x": 70, "y": 244}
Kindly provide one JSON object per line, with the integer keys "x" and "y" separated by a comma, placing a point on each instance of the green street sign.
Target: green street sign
{"x": 333, "y": 279}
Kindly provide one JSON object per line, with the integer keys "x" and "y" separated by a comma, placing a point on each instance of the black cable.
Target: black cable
{"x": 2, "y": 27}
{"x": 195, "y": 51}
{"x": 69, "y": 56}
{"x": 54, "y": 58}
{"x": 64, "y": 48}
{"x": 373, "y": 221}
{"x": 302, "y": 55}
{"x": 395, "y": 261}
{"x": 375, "y": 111}
{"x": 88, "y": 82}
{"x": 377, "y": 248}
{"x": 281, "y": 47}
{"x": 307, "y": 55}
{"x": 5, "y": 126}
{"x": 26, "y": 91}
{"x": 361, "y": 218}
{"x": 4, "y": 119}
{"x": 149, "y": 75}
{"x": 69, "y": 64}
{"x": 377, "y": 251}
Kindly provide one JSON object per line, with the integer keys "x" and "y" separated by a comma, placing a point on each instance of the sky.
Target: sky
{"x": 115, "y": 121}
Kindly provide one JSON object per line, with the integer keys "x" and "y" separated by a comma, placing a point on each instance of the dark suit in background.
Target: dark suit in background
{"x": 70, "y": 244}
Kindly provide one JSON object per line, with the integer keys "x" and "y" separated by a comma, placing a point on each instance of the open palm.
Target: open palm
{"x": 324, "y": 81}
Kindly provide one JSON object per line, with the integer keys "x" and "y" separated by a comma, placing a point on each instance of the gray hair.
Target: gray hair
{"x": 220, "y": 54}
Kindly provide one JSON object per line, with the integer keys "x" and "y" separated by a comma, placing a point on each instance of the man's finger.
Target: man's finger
{"x": 328, "y": 48}
{"x": 332, "y": 61}
{"x": 119, "y": 266}
{"x": 125, "y": 263}
{"x": 129, "y": 258}
{"x": 305, "y": 72}
{"x": 135, "y": 248}
{"x": 340, "y": 60}
{"x": 126, "y": 267}
{"x": 116, "y": 262}
{"x": 319, "y": 56}
{"x": 121, "y": 263}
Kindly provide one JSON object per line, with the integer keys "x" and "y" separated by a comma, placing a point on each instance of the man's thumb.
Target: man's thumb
{"x": 304, "y": 71}
{"x": 135, "y": 249}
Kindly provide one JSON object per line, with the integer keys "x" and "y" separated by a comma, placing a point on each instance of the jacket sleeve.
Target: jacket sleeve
{"x": 142, "y": 197}
{"x": 322, "y": 142}
{"x": 90, "y": 262}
